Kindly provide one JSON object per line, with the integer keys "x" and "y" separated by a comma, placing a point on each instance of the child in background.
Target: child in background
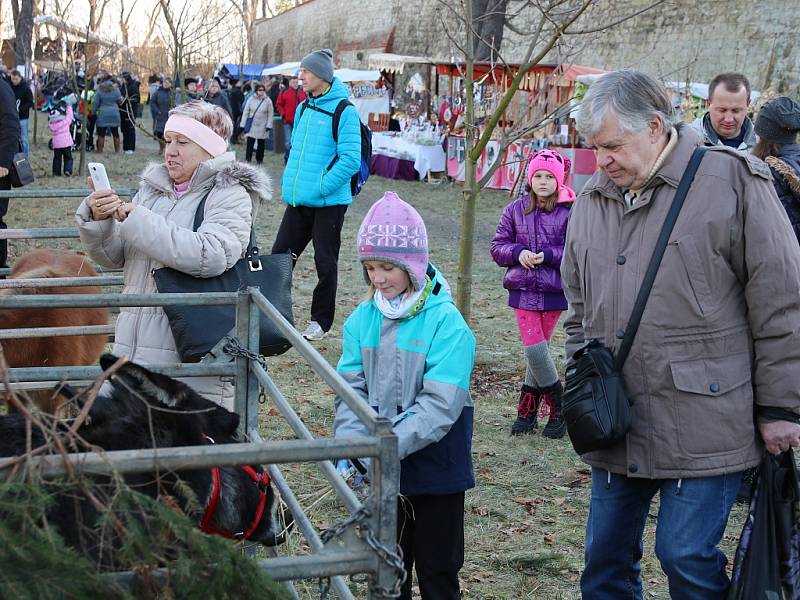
{"x": 530, "y": 242}
{"x": 408, "y": 353}
{"x": 60, "y": 118}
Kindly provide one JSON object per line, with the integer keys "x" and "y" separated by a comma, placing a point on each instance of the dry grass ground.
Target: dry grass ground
{"x": 525, "y": 518}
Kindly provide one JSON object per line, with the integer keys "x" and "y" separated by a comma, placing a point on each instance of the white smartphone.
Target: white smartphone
{"x": 97, "y": 171}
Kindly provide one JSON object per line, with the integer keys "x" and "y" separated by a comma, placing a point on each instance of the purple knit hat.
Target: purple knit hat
{"x": 393, "y": 232}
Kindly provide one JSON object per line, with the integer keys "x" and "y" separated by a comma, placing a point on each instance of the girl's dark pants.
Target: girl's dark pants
{"x": 430, "y": 530}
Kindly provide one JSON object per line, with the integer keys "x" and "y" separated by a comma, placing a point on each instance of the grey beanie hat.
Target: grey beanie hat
{"x": 778, "y": 121}
{"x": 320, "y": 63}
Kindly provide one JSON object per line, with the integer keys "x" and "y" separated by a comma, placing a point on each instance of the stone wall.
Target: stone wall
{"x": 679, "y": 40}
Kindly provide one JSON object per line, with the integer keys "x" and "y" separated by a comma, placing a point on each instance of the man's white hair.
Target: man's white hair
{"x": 633, "y": 97}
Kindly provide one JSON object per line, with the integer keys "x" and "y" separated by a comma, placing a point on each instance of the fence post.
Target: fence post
{"x": 383, "y": 519}
{"x": 253, "y": 345}
{"x": 242, "y": 378}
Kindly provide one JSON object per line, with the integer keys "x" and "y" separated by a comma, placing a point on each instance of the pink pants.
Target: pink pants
{"x": 536, "y": 326}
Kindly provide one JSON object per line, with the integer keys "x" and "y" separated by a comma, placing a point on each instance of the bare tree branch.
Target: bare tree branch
{"x": 606, "y": 26}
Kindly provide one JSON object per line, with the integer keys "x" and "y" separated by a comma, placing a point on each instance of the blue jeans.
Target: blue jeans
{"x": 287, "y": 141}
{"x": 692, "y": 517}
{"x": 23, "y": 136}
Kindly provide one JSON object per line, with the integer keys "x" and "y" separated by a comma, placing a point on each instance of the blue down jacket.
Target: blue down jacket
{"x": 307, "y": 181}
{"x": 415, "y": 371}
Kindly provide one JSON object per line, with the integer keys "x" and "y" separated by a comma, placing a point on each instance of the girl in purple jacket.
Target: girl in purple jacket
{"x": 530, "y": 242}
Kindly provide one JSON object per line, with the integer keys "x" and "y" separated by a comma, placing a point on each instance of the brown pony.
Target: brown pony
{"x": 54, "y": 351}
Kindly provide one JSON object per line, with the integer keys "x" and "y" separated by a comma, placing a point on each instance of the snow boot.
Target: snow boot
{"x": 556, "y": 427}
{"x": 526, "y": 410}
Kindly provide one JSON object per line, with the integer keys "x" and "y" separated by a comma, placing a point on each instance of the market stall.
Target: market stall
{"x": 413, "y": 148}
{"x": 398, "y": 157}
{"x": 286, "y": 69}
{"x": 367, "y": 91}
{"x": 546, "y": 93}
{"x": 245, "y": 72}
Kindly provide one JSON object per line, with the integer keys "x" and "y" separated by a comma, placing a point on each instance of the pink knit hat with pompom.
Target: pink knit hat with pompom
{"x": 393, "y": 232}
{"x": 552, "y": 162}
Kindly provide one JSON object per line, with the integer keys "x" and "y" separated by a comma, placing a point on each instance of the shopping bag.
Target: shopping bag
{"x": 767, "y": 562}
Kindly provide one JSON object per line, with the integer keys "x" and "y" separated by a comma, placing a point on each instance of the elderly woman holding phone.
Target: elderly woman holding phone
{"x": 155, "y": 229}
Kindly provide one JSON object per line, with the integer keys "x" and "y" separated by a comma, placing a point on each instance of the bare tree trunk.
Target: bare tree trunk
{"x": 471, "y": 189}
{"x": 23, "y": 25}
{"x": 489, "y": 18}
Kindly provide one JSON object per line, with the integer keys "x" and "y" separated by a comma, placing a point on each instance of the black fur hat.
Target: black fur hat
{"x": 778, "y": 121}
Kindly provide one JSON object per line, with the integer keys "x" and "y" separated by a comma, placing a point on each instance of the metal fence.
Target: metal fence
{"x": 363, "y": 543}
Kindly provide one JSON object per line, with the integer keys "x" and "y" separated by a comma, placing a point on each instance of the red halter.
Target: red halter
{"x": 262, "y": 481}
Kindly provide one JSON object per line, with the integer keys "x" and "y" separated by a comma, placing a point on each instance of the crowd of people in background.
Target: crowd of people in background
{"x": 113, "y": 107}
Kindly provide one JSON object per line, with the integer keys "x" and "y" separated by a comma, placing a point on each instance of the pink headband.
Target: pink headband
{"x": 197, "y": 132}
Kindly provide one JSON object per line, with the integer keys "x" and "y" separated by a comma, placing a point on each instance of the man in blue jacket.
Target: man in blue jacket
{"x": 316, "y": 182}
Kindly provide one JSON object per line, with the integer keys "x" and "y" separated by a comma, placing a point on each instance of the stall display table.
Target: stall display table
{"x": 397, "y": 158}
{"x": 514, "y": 161}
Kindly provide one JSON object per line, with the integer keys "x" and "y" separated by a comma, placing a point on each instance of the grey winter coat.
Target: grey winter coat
{"x": 262, "y": 114}
{"x": 106, "y": 105}
{"x": 159, "y": 233}
{"x": 160, "y": 104}
{"x": 719, "y": 333}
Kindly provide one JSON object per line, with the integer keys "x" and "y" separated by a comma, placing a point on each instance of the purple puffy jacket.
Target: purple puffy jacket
{"x": 538, "y": 231}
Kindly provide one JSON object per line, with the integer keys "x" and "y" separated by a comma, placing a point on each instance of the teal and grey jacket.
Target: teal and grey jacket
{"x": 416, "y": 371}
{"x": 307, "y": 179}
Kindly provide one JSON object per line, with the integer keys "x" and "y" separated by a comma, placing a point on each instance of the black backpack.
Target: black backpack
{"x": 358, "y": 180}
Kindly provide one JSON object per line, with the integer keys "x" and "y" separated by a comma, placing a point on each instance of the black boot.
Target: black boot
{"x": 526, "y": 410}
{"x": 556, "y": 427}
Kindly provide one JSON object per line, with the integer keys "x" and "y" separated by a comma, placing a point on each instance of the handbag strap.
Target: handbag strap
{"x": 658, "y": 254}
{"x": 252, "y": 250}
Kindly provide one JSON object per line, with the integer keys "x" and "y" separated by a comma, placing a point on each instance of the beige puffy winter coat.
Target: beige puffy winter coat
{"x": 262, "y": 113}
{"x": 720, "y": 330}
{"x": 159, "y": 233}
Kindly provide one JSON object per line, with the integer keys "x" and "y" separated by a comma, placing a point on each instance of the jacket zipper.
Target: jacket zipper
{"x": 300, "y": 161}
{"x": 151, "y": 271}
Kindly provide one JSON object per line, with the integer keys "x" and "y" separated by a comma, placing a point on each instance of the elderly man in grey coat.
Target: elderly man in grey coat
{"x": 716, "y": 345}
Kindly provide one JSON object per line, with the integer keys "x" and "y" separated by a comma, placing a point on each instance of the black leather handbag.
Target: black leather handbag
{"x": 21, "y": 172}
{"x": 197, "y": 329}
{"x": 595, "y": 406}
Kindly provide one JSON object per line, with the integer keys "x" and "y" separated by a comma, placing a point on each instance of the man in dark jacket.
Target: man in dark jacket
{"x": 236, "y": 100}
{"x": 129, "y": 111}
{"x": 22, "y": 92}
{"x": 726, "y": 123}
{"x": 9, "y": 145}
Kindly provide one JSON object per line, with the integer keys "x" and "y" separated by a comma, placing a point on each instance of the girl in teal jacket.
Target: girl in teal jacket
{"x": 409, "y": 354}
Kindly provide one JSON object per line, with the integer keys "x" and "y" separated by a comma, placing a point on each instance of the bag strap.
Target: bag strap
{"x": 252, "y": 249}
{"x": 658, "y": 254}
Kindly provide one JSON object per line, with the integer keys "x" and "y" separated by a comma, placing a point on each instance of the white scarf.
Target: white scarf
{"x": 400, "y": 306}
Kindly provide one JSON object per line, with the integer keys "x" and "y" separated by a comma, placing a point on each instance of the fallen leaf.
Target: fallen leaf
{"x": 527, "y": 501}
{"x": 487, "y": 453}
{"x": 273, "y": 412}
